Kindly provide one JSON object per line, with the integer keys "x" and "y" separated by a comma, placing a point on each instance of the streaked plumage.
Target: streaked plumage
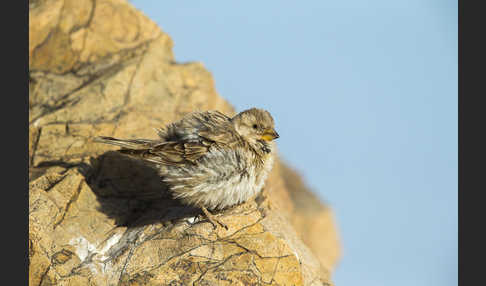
{"x": 208, "y": 159}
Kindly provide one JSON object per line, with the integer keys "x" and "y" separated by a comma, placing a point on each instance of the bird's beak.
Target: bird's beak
{"x": 270, "y": 135}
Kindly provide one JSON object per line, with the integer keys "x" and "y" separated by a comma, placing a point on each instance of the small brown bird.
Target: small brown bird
{"x": 210, "y": 160}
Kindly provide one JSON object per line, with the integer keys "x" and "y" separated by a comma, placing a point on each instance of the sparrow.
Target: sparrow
{"x": 209, "y": 160}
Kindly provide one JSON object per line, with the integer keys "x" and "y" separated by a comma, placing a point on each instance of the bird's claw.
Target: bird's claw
{"x": 214, "y": 221}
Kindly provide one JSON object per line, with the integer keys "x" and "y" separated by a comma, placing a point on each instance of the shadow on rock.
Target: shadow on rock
{"x": 131, "y": 192}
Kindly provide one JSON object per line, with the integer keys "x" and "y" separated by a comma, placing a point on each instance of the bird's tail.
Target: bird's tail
{"x": 139, "y": 148}
{"x": 134, "y": 144}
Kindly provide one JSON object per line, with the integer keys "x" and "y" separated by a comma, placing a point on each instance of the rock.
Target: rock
{"x": 312, "y": 218}
{"x": 98, "y": 218}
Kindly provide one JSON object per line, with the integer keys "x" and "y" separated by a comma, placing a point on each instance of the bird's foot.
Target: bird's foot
{"x": 213, "y": 219}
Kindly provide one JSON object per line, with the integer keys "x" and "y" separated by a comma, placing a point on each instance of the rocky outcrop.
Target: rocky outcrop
{"x": 100, "y": 67}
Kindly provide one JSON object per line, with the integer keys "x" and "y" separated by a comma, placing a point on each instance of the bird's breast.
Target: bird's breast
{"x": 222, "y": 178}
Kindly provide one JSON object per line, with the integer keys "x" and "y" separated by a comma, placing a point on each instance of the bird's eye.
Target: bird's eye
{"x": 255, "y": 126}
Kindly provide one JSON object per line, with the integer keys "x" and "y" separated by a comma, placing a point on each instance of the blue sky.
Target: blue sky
{"x": 364, "y": 95}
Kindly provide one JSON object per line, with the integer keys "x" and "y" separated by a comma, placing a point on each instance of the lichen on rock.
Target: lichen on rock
{"x": 102, "y": 67}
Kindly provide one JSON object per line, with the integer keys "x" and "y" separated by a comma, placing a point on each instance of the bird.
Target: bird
{"x": 210, "y": 160}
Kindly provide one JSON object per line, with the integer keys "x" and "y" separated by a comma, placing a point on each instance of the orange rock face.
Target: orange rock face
{"x": 102, "y": 68}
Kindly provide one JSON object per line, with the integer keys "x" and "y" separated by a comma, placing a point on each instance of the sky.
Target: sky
{"x": 364, "y": 96}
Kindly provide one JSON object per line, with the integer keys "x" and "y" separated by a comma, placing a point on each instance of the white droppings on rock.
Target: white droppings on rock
{"x": 191, "y": 220}
{"x": 82, "y": 246}
{"x": 109, "y": 243}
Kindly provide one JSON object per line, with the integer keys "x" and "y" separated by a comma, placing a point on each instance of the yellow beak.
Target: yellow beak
{"x": 270, "y": 135}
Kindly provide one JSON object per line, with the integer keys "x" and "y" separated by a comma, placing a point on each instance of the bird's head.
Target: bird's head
{"x": 256, "y": 126}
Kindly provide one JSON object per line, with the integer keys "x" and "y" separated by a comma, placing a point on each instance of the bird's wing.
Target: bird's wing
{"x": 225, "y": 137}
{"x": 172, "y": 153}
{"x": 208, "y": 125}
{"x": 188, "y": 139}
